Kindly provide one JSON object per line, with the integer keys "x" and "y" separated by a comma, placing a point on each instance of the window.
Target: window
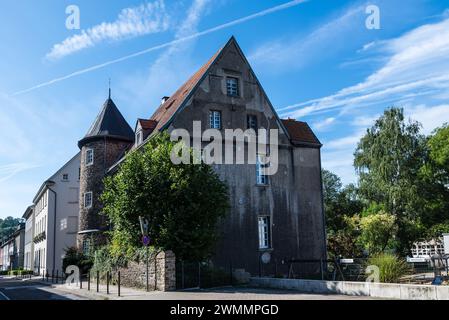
{"x": 63, "y": 224}
{"x": 252, "y": 122}
{"x": 261, "y": 177}
{"x": 215, "y": 119}
{"x": 264, "y": 232}
{"x": 65, "y": 177}
{"x": 88, "y": 200}
{"x": 79, "y": 173}
{"x": 89, "y": 157}
{"x": 86, "y": 246}
{"x": 232, "y": 86}
{"x": 139, "y": 137}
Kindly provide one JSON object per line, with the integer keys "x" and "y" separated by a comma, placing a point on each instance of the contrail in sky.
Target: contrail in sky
{"x": 167, "y": 44}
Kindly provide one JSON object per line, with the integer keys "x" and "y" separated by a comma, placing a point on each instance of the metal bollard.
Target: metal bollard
{"x": 118, "y": 283}
{"x": 81, "y": 280}
{"x": 98, "y": 280}
{"x": 57, "y": 276}
{"x": 107, "y": 282}
{"x": 52, "y": 275}
{"x": 88, "y": 280}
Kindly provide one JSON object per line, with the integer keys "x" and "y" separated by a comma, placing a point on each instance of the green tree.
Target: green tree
{"x": 341, "y": 207}
{"x": 182, "y": 203}
{"x": 435, "y": 177}
{"x": 8, "y": 226}
{"x": 377, "y": 232}
{"x": 339, "y": 202}
{"x": 388, "y": 159}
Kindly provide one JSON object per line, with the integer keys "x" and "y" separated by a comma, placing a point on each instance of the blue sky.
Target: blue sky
{"x": 316, "y": 60}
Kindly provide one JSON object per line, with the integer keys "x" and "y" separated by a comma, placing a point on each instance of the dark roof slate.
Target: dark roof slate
{"x": 109, "y": 123}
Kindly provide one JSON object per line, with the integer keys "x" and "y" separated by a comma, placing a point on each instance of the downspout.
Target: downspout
{"x": 54, "y": 224}
{"x": 322, "y": 207}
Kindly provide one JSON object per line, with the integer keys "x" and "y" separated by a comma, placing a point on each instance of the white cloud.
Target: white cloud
{"x": 416, "y": 66}
{"x": 132, "y": 22}
{"x": 321, "y": 125}
{"x": 297, "y": 52}
{"x": 226, "y": 25}
{"x": 429, "y": 117}
{"x": 172, "y": 67}
{"x": 10, "y": 170}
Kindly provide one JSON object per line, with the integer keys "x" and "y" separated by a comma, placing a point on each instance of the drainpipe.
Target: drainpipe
{"x": 49, "y": 184}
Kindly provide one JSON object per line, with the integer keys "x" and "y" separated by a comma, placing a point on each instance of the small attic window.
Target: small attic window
{"x": 139, "y": 137}
{"x": 232, "y": 86}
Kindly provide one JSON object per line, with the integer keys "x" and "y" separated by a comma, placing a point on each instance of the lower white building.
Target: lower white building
{"x": 54, "y": 219}
{"x": 28, "y": 216}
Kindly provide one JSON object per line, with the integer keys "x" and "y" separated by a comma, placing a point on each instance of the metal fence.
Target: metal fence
{"x": 202, "y": 275}
{"x": 354, "y": 269}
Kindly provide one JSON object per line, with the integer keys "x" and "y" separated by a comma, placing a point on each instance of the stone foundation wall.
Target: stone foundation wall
{"x": 162, "y": 273}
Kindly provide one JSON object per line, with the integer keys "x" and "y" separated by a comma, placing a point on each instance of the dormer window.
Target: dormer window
{"x": 139, "y": 137}
{"x": 89, "y": 157}
{"x": 232, "y": 86}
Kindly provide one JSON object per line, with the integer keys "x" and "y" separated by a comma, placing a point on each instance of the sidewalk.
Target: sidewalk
{"x": 92, "y": 294}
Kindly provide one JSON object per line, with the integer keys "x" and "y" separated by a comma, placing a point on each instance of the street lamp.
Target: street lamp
{"x": 145, "y": 241}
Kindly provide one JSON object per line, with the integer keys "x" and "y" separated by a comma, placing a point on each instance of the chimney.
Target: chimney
{"x": 164, "y": 99}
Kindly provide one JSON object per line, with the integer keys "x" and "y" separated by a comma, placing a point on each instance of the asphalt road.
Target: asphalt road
{"x": 16, "y": 289}
{"x": 13, "y": 289}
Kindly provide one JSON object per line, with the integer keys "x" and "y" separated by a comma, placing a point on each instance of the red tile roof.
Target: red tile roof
{"x": 165, "y": 112}
{"x": 147, "y": 124}
{"x": 300, "y": 132}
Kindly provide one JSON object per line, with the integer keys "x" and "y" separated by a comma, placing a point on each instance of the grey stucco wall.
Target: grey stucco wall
{"x": 292, "y": 199}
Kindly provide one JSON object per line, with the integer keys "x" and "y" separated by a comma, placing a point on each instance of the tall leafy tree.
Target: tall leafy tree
{"x": 388, "y": 159}
{"x": 182, "y": 203}
{"x": 341, "y": 205}
{"x": 435, "y": 176}
{"x": 8, "y": 226}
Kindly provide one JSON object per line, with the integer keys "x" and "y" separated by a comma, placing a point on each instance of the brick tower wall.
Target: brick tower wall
{"x": 106, "y": 153}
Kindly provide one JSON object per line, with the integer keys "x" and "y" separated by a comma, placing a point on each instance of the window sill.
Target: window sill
{"x": 262, "y": 185}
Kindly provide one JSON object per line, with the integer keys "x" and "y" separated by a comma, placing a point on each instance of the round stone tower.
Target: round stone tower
{"x": 104, "y": 144}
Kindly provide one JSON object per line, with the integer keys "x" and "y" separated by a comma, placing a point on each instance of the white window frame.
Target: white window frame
{"x": 232, "y": 87}
{"x": 264, "y": 227}
{"x": 87, "y": 206}
{"x": 261, "y": 177}
{"x": 89, "y": 160}
{"x": 215, "y": 119}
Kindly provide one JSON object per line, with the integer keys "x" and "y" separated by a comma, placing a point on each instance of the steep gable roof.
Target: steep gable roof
{"x": 109, "y": 123}
{"x": 300, "y": 132}
{"x": 166, "y": 110}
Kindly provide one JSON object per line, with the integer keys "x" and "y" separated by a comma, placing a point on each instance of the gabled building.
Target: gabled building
{"x": 12, "y": 250}
{"x": 53, "y": 222}
{"x": 28, "y": 217}
{"x": 272, "y": 218}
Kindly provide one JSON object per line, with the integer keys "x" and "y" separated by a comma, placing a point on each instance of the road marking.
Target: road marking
{"x": 4, "y": 295}
{"x": 22, "y": 287}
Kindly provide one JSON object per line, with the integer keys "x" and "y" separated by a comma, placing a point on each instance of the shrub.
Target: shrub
{"x": 391, "y": 267}
{"x": 73, "y": 256}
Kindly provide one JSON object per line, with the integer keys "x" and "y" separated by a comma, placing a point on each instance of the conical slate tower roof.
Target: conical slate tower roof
{"x": 109, "y": 123}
